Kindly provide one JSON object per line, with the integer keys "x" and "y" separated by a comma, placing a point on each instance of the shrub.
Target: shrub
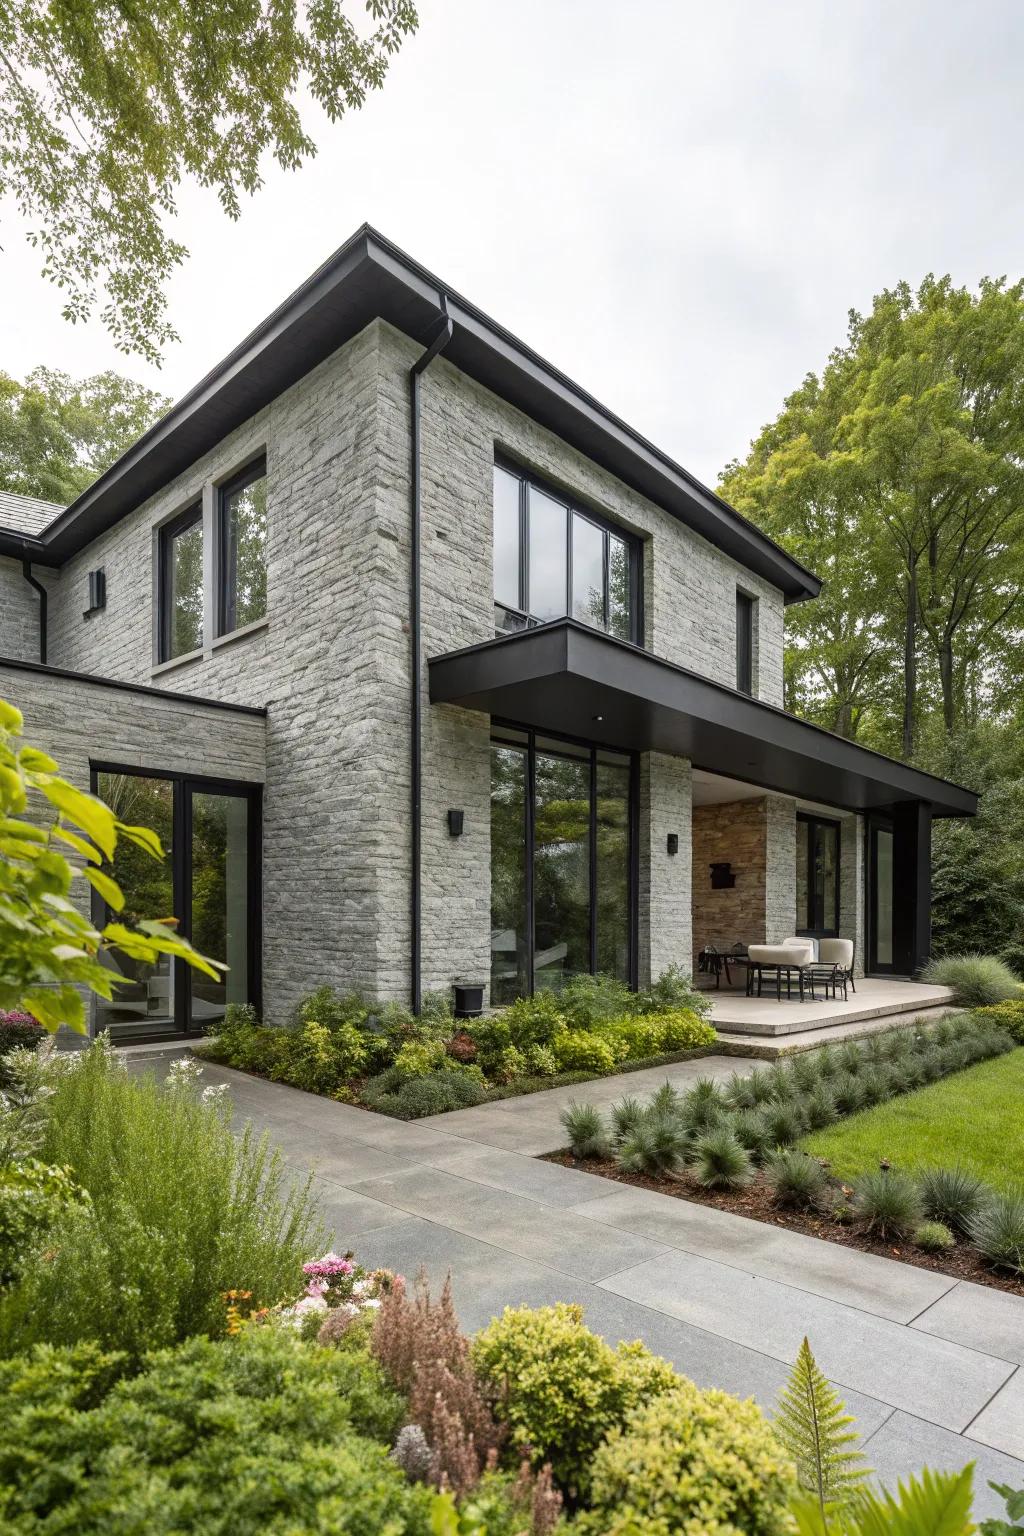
{"x": 720, "y": 1161}
{"x": 705, "y": 1105}
{"x": 681, "y": 1029}
{"x": 588, "y": 1000}
{"x": 933, "y": 1237}
{"x": 626, "y": 1115}
{"x": 534, "y": 1020}
{"x": 255, "y": 1434}
{"x": 847, "y": 1093}
{"x": 951, "y": 1195}
{"x": 418, "y": 1058}
{"x": 804, "y": 1073}
{"x": 461, "y": 1047}
{"x": 820, "y": 1108}
{"x": 691, "y": 1461}
{"x": 784, "y": 1124}
{"x": 182, "y": 1211}
{"x": 323, "y": 1059}
{"x": 657, "y": 1144}
{"x": 585, "y": 1129}
{"x": 437, "y": 1094}
{"x": 578, "y": 1050}
{"x": 32, "y": 1199}
{"x": 673, "y": 989}
{"x": 751, "y": 1131}
{"x": 561, "y": 1388}
{"x": 333, "y": 1009}
{"x": 18, "y": 1031}
{"x": 795, "y": 1178}
{"x": 975, "y": 980}
{"x": 887, "y": 1202}
{"x": 997, "y": 1230}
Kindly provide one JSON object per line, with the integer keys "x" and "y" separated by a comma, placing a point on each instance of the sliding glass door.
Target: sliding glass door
{"x": 562, "y": 880}
{"x": 209, "y": 879}
{"x": 881, "y": 897}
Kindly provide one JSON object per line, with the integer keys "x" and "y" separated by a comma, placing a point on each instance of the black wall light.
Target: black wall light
{"x": 456, "y": 822}
{"x": 673, "y": 842}
{"x": 97, "y": 591}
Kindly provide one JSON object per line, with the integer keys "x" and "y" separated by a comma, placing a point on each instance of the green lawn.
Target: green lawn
{"x": 974, "y": 1117}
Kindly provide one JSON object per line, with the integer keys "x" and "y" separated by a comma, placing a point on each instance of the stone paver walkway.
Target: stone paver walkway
{"x": 932, "y": 1368}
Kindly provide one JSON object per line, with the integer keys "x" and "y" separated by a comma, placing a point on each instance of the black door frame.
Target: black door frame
{"x": 876, "y": 824}
{"x": 180, "y": 854}
{"x": 529, "y": 747}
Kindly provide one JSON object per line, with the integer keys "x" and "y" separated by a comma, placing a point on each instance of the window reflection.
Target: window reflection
{"x": 143, "y": 999}
{"x": 182, "y": 586}
{"x": 509, "y": 944}
{"x": 244, "y": 550}
{"x": 587, "y": 572}
{"x": 220, "y": 892}
{"x": 547, "y": 590}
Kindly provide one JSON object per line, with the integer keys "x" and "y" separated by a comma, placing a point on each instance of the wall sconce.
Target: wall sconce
{"x": 722, "y": 877}
{"x": 456, "y": 822}
{"x": 672, "y": 844}
{"x": 97, "y": 591}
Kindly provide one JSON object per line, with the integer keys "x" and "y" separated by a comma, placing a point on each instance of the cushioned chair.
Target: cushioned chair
{"x": 838, "y": 952}
{"x": 795, "y": 955}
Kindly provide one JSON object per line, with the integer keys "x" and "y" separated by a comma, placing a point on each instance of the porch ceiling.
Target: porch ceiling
{"x": 565, "y": 678}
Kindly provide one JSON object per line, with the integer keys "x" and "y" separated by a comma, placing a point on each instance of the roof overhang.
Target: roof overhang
{"x": 369, "y": 278}
{"x": 566, "y": 679}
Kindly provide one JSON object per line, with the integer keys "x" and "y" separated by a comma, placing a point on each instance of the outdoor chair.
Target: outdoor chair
{"x": 796, "y": 955}
{"x": 839, "y": 953}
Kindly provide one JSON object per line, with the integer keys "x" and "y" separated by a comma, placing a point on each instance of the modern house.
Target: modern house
{"x": 426, "y": 666}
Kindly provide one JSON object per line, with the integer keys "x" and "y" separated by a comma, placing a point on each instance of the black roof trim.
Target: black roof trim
{"x": 562, "y": 677}
{"x": 366, "y": 278}
{"x": 42, "y": 670}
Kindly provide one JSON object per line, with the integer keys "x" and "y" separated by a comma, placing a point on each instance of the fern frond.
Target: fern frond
{"x": 814, "y": 1427}
{"x": 931, "y": 1504}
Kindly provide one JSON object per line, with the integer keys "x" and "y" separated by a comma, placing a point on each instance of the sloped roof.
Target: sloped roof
{"x": 26, "y": 514}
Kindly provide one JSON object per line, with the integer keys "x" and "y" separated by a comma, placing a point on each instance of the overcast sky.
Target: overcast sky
{"x": 676, "y": 203}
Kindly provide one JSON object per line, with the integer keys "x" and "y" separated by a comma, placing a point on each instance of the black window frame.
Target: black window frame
{"x": 225, "y": 624}
{"x": 180, "y": 855}
{"x": 746, "y": 607}
{"x": 812, "y": 928}
{"x": 168, "y": 532}
{"x": 607, "y": 525}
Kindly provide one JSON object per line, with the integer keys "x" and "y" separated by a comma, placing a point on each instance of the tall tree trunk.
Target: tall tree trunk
{"x": 948, "y": 685}
{"x": 910, "y": 659}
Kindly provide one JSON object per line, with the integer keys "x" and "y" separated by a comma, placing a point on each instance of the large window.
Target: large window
{"x": 745, "y": 611}
{"x": 209, "y": 880}
{"x": 181, "y": 585}
{"x": 553, "y": 559}
{"x": 562, "y": 879}
{"x": 817, "y": 876}
{"x": 242, "y": 597}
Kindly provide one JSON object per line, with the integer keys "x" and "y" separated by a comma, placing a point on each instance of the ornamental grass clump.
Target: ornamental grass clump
{"x": 975, "y": 980}
{"x": 784, "y": 1123}
{"x": 657, "y": 1145}
{"x": 887, "y": 1202}
{"x": 847, "y": 1093}
{"x": 933, "y": 1237}
{"x": 997, "y": 1230}
{"x": 705, "y": 1105}
{"x": 820, "y": 1107}
{"x": 751, "y": 1131}
{"x": 718, "y": 1160}
{"x": 795, "y": 1178}
{"x": 951, "y": 1195}
{"x": 626, "y": 1115}
{"x": 585, "y": 1129}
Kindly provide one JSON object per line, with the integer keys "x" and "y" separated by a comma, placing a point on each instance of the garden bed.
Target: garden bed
{"x": 756, "y": 1202}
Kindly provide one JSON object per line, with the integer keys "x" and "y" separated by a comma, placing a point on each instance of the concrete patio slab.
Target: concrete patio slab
{"x": 880, "y": 1286}
{"x": 986, "y": 1319}
{"x": 765, "y": 1015}
{"x": 929, "y": 1377}
{"x": 905, "y": 1443}
{"x": 1000, "y": 1423}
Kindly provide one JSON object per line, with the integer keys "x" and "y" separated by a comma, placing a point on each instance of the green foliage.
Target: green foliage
{"x": 673, "y": 991}
{"x": 58, "y": 434}
{"x": 561, "y": 1388}
{"x": 1014, "y": 1500}
{"x": 18, "y": 1031}
{"x": 585, "y": 1129}
{"x": 784, "y": 1123}
{"x": 658, "y": 1143}
{"x": 795, "y": 1178}
{"x": 588, "y": 1000}
{"x": 952, "y": 1196}
{"x": 976, "y": 980}
{"x": 454, "y": 1088}
{"x": 33, "y": 1197}
{"x": 323, "y": 1059}
{"x": 579, "y": 1050}
{"x": 260, "y": 1433}
{"x": 1009, "y": 1014}
{"x": 933, "y": 1237}
{"x": 181, "y": 1211}
{"x": 814, "y": 1427}
{"x": 718, "y": 1160}
{"x": 691, "y": 1461}
{"x": 48, "y": 947}
{"x": 847, "y": 1094}
{"x": 933, "y": 1504}
{"x": 418, "y": 1058}
{"x": 997, "y": 1230}
{"x": 888, "y": 1202}
{"x": 108, "y": 114}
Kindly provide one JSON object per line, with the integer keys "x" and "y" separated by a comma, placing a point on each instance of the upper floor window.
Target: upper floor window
{"x": 745, "y": 610}
{"x": 181, "y": 585}
{"x": 553, "y": 559}
{"x": 242, "y": 533}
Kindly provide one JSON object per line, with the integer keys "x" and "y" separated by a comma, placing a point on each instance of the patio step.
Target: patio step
{"x": 761, "y": 1048}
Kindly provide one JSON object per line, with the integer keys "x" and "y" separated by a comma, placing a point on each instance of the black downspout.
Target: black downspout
{"x": 440, "y": 341}
{"x": 26, "y": 571}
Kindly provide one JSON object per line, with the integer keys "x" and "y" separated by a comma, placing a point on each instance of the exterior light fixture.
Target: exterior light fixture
{"x": 456, "y": 822}
{"x": 673, "y": 843}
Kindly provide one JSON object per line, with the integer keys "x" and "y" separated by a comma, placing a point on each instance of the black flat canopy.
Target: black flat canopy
{"x": 567, "y": 679}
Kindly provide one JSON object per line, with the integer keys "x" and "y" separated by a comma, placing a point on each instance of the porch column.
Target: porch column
{"x": 912, "y": 885}
{"x": 665, "y": 916}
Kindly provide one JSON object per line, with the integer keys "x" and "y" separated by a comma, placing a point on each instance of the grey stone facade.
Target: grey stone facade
{"x": 19, "y": 614}
{"x": 331, "y": 664}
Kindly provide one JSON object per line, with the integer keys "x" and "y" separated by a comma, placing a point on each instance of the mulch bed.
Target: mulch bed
{"x": 962, "y": 1262}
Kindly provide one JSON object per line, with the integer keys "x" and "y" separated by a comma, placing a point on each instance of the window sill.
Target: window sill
{"x": 176, "y": 661}
{"x": 255, "y": 628}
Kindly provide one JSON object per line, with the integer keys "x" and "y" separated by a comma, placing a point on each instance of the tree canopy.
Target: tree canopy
{"x": 106, "y": 109}
{"x": 57, "y": 433}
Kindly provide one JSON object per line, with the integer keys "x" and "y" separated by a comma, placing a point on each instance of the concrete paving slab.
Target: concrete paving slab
{"x": 547, "y": 1182}
{"x": 875, "y": 997}
{"x": 881, "y": 1286}
{"x": 926, "y": 1376}
{"x": 348, "y": 1215}
{"x": 983, "y": 1318}
{"x": 904, "y": 1444}
{"x": 515, "y": 1224}
{"x": 342, "y": 1162}
{"x": 530, "y": 1133}
{"x": 1000, "y": 1423}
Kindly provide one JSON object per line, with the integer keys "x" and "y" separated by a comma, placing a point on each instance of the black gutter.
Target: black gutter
{"x": 16, "y": 664}
{"x": 26, "y": 571}
{"x": 419, "y": 367}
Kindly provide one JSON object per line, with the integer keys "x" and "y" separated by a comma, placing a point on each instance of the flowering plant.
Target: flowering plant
{"x": 335, "y": 1283}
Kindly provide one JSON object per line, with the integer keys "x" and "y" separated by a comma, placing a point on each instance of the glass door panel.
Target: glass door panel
{"x": 219, "y": 901}
{"x": 144, "y": 998}
{"x": 510, "y": 956}
{"x": 612, "y": 868}
{"x": 881, "y": 899}
{"x": 561, "y": 868}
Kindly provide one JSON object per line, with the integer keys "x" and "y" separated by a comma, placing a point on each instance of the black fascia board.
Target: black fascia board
{"x": 567, "y": 679}
{"x": 93, "y": 680}
{"x": 366, "y": 278}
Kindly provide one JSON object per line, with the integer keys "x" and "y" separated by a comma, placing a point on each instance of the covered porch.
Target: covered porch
{"x": 893, "y": 999}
